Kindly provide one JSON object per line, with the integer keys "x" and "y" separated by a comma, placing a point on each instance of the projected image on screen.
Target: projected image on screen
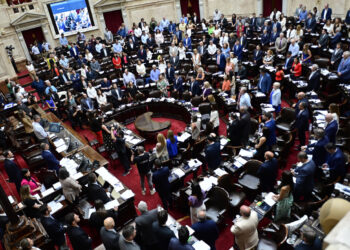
{"x": 71, "y": 15}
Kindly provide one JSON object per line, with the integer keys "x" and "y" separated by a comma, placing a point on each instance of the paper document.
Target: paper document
{"x": 111, "y": 204}
{"x": 220, "y": 172}
{"x": 269, "y": 200}
{"x": 201, "y": 245}
{"x": 127, "y": 194}
{"x": 57, "y": 186}
{"x": 55, "y": 206}
{"x": 178, "y": 172}
{"x": 47, "y": 192}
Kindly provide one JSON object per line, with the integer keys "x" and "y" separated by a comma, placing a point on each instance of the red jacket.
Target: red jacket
{"x": 297, "y": 69}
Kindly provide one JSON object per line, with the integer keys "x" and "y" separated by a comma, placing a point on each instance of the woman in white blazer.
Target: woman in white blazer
{"x": 275, "y": 97}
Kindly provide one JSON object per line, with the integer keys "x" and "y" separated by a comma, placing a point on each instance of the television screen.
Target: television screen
{"x": 70, "y": 15}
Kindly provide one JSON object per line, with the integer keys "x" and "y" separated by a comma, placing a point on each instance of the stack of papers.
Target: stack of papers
{"x": 269, "y": 200}
{"x": 111, "y": 204}
{"x": 201, "y": 245}
{"x": 57, "y": 186}
{"x": 220, "y": 172}
{"x": 127, "y": 195}
{"x": 194, "y": 163}
{"x": 47, "y": 192}
{"x": 183, "y": 137}
{"x": 178, "y": 172}
{"x": 55, "y": 206}
{"x": 245, "y": 153}
{"x": 208, "y": 183}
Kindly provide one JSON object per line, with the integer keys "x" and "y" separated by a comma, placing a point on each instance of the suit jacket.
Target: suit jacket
{"x": 223, "y": 22}
{"x": 267, "y": 173}
{"x": 176, "y": 245}
{"x": 202, "y": 49}
{"x": 51, "y": 161}
{"x": 105, "y": 52}
{"x": 160, "y": 180}
{"x": 265, "y": 82}
{"x": 144, "y": 232}
{"x": 13, "y": 171}
{"x": 323, "y": 41}
{"x": 61, "y": 78}
{"x": 331, "y": 130}
{"x": 260, "y": 22}
{"x": 174, "y": 61}
{"x": 178, "y": 84}
{"x": 288, "y": 63}
{"x": 245, "y": 231}
{"x": 310, "y": 24}
{"x": 278, "y": 26}
{"x": 207, "y": 231}
{"x": 336, "y": 39}
{"x": 187, "y": 42}
{"x": 319, "y": 153}
{"x": 336, "y": 164}
{"x": 337, "y": 56}
{"x": 96, "y": 219}
{"x": 271, "y": 125}
{"x": 304, "y": 179}
{"x": 302, "y": 121}
{"x": 274, "y": 37}
{"x": 344, "y": 69}
{"x": 131, "y": 46}
{"x": 96, "y": 192}
{"x": 110, "y": 239}
{"x": 242, "y": 73}
{"x": 314, "y": 81}
{"x": 283, "y": 44}
{"x": 54, "y": 229}
{"x": 317, "y": 245}
{"x": 85, "y": 104}
{"x": 163, "y": 235}
{"x": 76, "y": 50}
{"x": 222, "y": 61}
{"x": 142, "y": 56}
{"x": 237, "y": 50}
{"x": 115, "y": 95}
{"x": 170, "y": 76}
{"x": 212, "y": 155}
{"x": 265, "y": 38}
{"x": 329, "y": 14}
{"x": 234, "y": 133}
{"x": 195, "y": 89}
{"x": 243, "y": 41}
{"x": 79, "y": 239}
{"x": 244, "y": 124}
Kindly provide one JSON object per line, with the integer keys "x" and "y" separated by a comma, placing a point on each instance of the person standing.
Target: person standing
{"x": 302, "y": 123}
{"x": 196, "y": 202}
{"x": 160, "y": 179}
{"x": 206, "y": 229}
{"x": 126, "y": 241}
{"x": 267, "y": 172}
{"x": 284, "y": 198}
{"x": 212, "y": 153}
{"x": 120, "y": 147}
{"x": 51, "y": 160}
{"x": 77, "y": 236}
{"x": 181, "y": 243}
{"x": 13, "y": 171}
{"x": 161, "y": 231}
{"x": 70, "y": 187}
{"x": 109, "y": 237}
{"x": 39, "y": 131}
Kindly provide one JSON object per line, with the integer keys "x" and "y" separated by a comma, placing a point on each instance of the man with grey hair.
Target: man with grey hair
{"x": 51, "y": 160}
{"x": 49, "y": 87}
{"x": 314, "y": 79}
{"x": 39, "y": 131}
{"x": 294, "y": 48}
{"x": 332, "y": 127}
{"x": 144, "y": 232}
{"x": 317, "y": 149}
{"x": 310, "y": 239}
{"x": 243, "y": 98}
{"x": 281, "y": 44}
{"x": 344, "y": 68}
{"x": 144, "y": 167}
{"x": 206, "y": 229}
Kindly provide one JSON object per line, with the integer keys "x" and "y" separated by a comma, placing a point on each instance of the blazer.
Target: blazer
{"x": 283, "y": 43}
{"x": 174, "y": 61}
{"x": 61, "y": 78}
{"x": 142, "y": 56}
{"x": 314, "y": 81}
{"x": 273, "y": 37}
{"x": 243, "y": 41}
{"x": 222, "y": 62}
{"x": 76, "y": 50}
{"x": 195, "y": 89}
{"x": 288, "y": 64}
{"x": 258, "y": 56}
{"x": 337, "y": 56}
{"x": 96, "y": 219}
{"x": 178, "y": 84}
{"x": 336, "y": 164}
{"x": 160, "y": 180}
{"x": 336, "y": 39}
{"x": 297, "y": 68}
{"x": 176, "y": 245}
{"x": 242, "y": 73}
{"x": 245, "y": 231}
{"x": 265, "y": 82}
{"x": 296, "y": 109}
{"x": 84, "y": 104}
{"x": 144, "y": 232}
{"x": 319, "y": 153}
{"x": 105, "y": 53}
{"x": 323, "y": 41}
{"x": 207, "y": 231}
{"x": 234, "y": 133}
{"x": 115, "y": 95}
{"x": 54, "y": 229}
{"x": 79, "y": 239}
{"x": 244, "y": 124}
{"x": 170, "y": 76}
{"x": 238, "y": 51}
{"x": 96, "y": 192}
{"x": 347, "y": 18}
{"x": 70, "y": 188}
{"x": 51, "y": 161}
{"x": 265, "y": 38}
{"x": 212, "y": 155}
{"x": 302, "y": 120}
{"x": 331, "y": 130}
{"x": 109, "y": 239}
{"x": 13, "y": 171}
{"x": 163, "y": 235}
{"x": 304, "y": 179}
{"x": 187, "y": 42}
{"x": 271, "y": 125}
{"x": 310, "y": 24}
{"x": 267, "y": 173}
{"x": 328, "y": 15}
{"x": 344, "y": 69}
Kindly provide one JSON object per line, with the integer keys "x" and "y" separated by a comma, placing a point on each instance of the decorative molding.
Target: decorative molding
{"x": 28, "y": 18}
{"x": 104, "y": 3}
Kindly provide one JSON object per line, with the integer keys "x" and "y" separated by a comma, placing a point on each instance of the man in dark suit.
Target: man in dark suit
{"x": 77, "y": 236}
{"x": 13, "y": 171}
{"x": 238, "y": 50}
{"x": 223, "y": 22}
{"x": 314, "y": 78}
{"x": 160, "y": 180}
{"x": 174, "y": 61}
{"x": 74, "y": 51}
{"x": 336, "y": 38}
{"x": 310, "y": 241}
{"x": 302, "y": 123}
{"x": 288, "y": 64}
{"x": 258, "y": 55}
{"x": 310, "y": 23}
{"x": 187, "y": 42}
{"x": 242, "y": 72}
{"x": 265, "y": 82}
{"x": 335, "y": 163}
{"x": 178, "y": 84}
{"x": 90, "y": 74}
{"x": 120, "y": 147}
{"x": 233, "y": 132}
{"x": 326, "y": 13}
{"x": 194, "y": 87}
{"x": 347, "y": 18}
{"x": 144, "y": 233}
{"x": 243, "y": 40}
{"x": 212, "y": 153}
{"x": 63, "y": 77}
{"x": 51, "y": 160}
{"x": 142, "y": 54}
{"x": 206, "y": 229}
{"x": 324, "y": 39}
{"x": 271, "y": 125}
{"x": 95, "y": 191}
{"x": 304, "y": 177}
{"x": 151, "y": 43}
{"x": 161, "y": 231}
{"x": 117, "y": 95}
{"x": 170, "y": 73}
{"x": 104, "y": 51}
{"x": 331, "y": 129}
{"x": 220, "y": 60}
{"x": 301, "y": 98}
{"x": 86, "y": 103}
{"x": 267, "y": 172}
{"x": 336, "y": 56}
{"x": 54, "y": 228}
{"x": 260, "y": 22}
{"x": 244, "y": 124}
{"x": 265, "y": 38}
{"x": 253, "y": 22}
{"x": 317, "y": 149}
{"x": 131, "y": 46}
{"x": 109, "y": 237}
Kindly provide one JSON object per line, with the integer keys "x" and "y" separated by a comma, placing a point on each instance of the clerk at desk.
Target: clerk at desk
{"x": 51, "y": 161}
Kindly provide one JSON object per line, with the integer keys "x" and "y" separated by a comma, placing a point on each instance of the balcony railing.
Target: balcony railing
{"x": 17, "y": 9}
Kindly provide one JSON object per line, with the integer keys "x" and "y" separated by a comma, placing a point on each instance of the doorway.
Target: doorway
{"x": 113, "y": 19}
{"x": 32, "y": 35}
{"x": 269, "y": 5}
{"x": 190, "y": 6}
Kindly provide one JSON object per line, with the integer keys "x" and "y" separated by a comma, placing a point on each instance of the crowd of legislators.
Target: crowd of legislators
{"x": 81, "y": 69}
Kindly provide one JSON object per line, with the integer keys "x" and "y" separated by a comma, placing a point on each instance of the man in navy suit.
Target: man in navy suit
{"x": 161, "y": 231}
{"x": 344, "y": 68}
{"x": 95, "y": 191}
{"x": 326, "y": 13}
{"x": 194, "y": 87}
{"x": 74, "y": 51}
{"x": 212, "y": 153}
{"x": 86, "y": 103}
{"x": 187, "y": 42}
{"x": 302, "y": 123}
{"x": 160, "y": 179}
{"x": 206, "y": 229}
{"x": 304, "y": 177}
{"x": 267, "y": 172}
{"x": 258, "y": 55}
{"x": 254, "y": 22}
{"x": 170, "y": 73}
{"x": 51, "y": 161}
{"x": 142, "y": 54}
{"x": 238, "y": 50}
{"x": 243, "y": 40}
{"x": 271, "y": 125}
{"x": 289, "y": 62}
{"x": 331, "y": 128}
{"x": 265, "y": 37}
{"x": 317, "y": 149}
{"x": 301, "y": 98}
{"x": 12, "y": 169}
{"x": 220, "y": 60}
{"x": 310, "y": 240}
{"x": 54, "y": 228}
{"x": 109, "y": 236}
{"x": 314, "y": 78}
{"x": 335, "y": 163}
{"x": 310, "y": 23}
{"x": 336, "y": 38}
{"x": 77, "y": 236}
{"x": 264, "y": 84}
{"x": 178, "y": 84}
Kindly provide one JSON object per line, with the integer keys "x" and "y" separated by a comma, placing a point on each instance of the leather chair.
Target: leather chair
{"x": 198, "y": 147}
{"x": 275, "y": 239}
{"x": 186, "y": 96}
{"x": 155, "y": 94}
{"x": 285, "y": 120}
{"x": 196, "y": 100}
{"x": 322, "y": 62}
{"x": 248, "y": 178}
{"x": 234, "y": 190}
{"x": 216, "y": 203}
{"x": 213, "y": 68}
{"x": 46, "y": 176}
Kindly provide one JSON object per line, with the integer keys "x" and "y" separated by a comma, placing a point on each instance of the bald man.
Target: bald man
{"x": 301, "y": 98}
{"x": 267, "y": 172}
{"x": 245, "y": 229}
{"x": 206, "y": 229}
{"x": 109, "y": 236}
{"x": 331, "y": 127}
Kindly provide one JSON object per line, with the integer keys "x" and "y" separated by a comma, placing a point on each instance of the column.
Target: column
{"x": 178, "y": 9}
{"x": 201, "y": 8}
{"x": 23, "y": 44}
{"x": 102, "y": 23}
{"x": 47, "y": 36}
{"x": 284, "y": 7}
{"x": 125, "y": 18}
{"x": 259, "y": 7}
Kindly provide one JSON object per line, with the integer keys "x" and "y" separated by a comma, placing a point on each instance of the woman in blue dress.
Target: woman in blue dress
{"x": 306, "y": 57}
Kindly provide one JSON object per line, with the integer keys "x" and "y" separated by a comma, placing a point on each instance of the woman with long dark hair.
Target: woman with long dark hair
{"x": 171, "y": 144}
{"x": 33, "y": 184}
{"x": 261, "y": 147}
{"x": 96, "y": 218}
{"x": 196, "y": 202}
{"x": 285, "y": 197}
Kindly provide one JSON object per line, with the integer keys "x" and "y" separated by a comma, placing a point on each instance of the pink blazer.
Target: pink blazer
{"x": 32, "y": 185}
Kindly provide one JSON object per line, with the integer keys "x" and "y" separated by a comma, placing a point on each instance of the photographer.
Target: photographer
{"x": 120, "y": 147}
{"x": 143, "y": 166}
